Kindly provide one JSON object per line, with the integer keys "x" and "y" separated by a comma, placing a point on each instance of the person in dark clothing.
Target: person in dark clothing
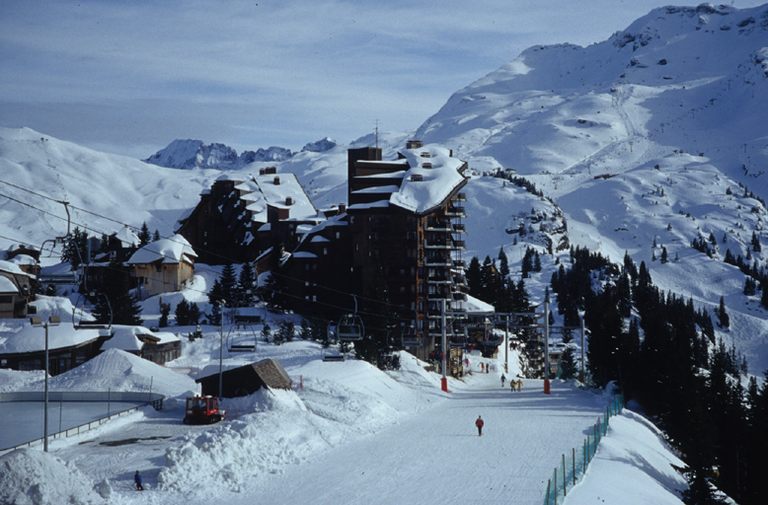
{"x": 479, "y": 423}
{"x": 503, "y": 379}
{"x": 137, "y": 480}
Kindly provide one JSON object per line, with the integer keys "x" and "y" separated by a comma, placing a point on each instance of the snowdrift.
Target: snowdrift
{"x": 122, "y": 371}
{"x": 33, "y": 477}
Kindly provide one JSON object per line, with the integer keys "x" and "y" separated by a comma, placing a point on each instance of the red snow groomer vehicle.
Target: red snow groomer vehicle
{"x": 203, "y": 410}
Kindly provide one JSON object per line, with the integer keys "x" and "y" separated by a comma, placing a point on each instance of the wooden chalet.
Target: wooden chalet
{"x": 163, "y": 266}
{"x": 245, "y": 380}
{"x": 16, "y": 290}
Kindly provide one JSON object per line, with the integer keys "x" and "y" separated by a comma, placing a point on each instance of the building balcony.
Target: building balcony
{"x": 459, "y": 228}
{"x": 460, "y": 244}
{"x": 454, "y": 211}
{"x": 437, "y": 244}
{"x": 458, "y": 295}
{"x": 461, "y": 197}
{"x": 438, "y": 226}
{"x": 459, "y": 264}
{"x": 437, "y": 262}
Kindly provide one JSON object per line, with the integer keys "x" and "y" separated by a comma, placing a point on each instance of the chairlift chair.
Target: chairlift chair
{"x": 350, "y": 328}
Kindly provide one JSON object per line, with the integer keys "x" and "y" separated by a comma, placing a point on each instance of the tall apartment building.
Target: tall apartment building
{"x": 398, "y": 247}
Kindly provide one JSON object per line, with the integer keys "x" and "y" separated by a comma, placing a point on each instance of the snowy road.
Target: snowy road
{"x": 437, "y": 456}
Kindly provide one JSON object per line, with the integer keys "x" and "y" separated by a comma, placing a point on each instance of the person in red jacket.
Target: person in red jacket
{"x": 479, "y": 423}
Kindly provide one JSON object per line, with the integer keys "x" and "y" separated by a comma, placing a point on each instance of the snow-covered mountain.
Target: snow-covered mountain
{"x": 117, "y": 187}
{"x": 320, "y": 146}
{"x": 678, "y": 78}
{"x": 188, "y": 153}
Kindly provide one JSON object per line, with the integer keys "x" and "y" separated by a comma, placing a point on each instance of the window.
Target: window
{"x": 6, "y": 299}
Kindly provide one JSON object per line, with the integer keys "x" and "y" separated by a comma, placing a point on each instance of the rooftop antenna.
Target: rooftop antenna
{"x": 376, "y": 133}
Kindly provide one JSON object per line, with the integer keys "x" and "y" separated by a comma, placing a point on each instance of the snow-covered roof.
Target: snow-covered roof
{"x": 378, "y": 189}
{"x": 27, "y": 338}
{"x": 23, "y": 259}
{"x": 370, "y": 205}
{"x": 13, "y": 268}
{"x": 7, "y": 286}
{"x": 261, "y": 190}
{"x": 170, "y": 250}
{"x": 127, "y": 338}
{"x": 127, "y": 237}
{"x": 476, "y": 306}
{"x": 434, "y": 185}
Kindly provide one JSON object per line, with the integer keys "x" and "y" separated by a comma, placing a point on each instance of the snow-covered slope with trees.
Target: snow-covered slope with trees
{"x": 648, "y": 141}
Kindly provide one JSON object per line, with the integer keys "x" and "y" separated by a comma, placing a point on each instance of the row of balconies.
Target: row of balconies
{"x": 444, "y": 244}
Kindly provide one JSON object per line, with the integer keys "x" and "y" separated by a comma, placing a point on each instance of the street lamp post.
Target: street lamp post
{"x": 444, "y": 364}
{"x": 546, "y": 345}
{"x": 506, "y": 345}
{"x": 37, "y": 322}
{"x": 582, "y": 375}
{"x": 221, "y": 347}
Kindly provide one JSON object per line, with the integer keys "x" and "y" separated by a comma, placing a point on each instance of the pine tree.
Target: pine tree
{"x": 722, "y": 316}
{"x": 306, "y": 330}
{"x": 750, "y": 287}
{"x": 756, "y": 243}
{"x": 156, "y": 236}
{"x": 567, "y": 364}
{"x": 144, "y": 235}
{"x": 193, "y": 315}
{"x": 503, "y": 265}
{"x": 165, "y": 310}
{"x": 664, "y": 255}
{"x": 764, "y": 294}
{"x": 473, "y": 277}
{"x": 117, "y": 299}
{"x": 182, "y": 313}
{"x": 246, "y": 285}
{"x": 228, "y": 285}
{"x": 75, "y": 248}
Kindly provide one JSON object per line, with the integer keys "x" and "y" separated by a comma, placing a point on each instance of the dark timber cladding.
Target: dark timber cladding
{"x": 244, "y": 380}
{"x": 408, "y": 260}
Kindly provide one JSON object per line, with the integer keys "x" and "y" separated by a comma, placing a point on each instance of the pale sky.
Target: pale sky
{"x": 130, "y": 76}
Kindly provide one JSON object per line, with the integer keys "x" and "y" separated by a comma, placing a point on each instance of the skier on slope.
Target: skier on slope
{"x": 137, "y": 481}
{"x": 503, "y": 379}
{"x": 479, "y": 423}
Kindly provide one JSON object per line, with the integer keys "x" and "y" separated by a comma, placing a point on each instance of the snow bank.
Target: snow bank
{"x": 632, "y": 466}
{"x": 273, "y": 429}
{"x": 121, "y": 371}
{"x": 33, "y": 477}
{"x": 280, "y": 432}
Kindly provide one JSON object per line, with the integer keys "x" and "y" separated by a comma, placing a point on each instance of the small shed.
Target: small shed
{"x": 246, "y": 379}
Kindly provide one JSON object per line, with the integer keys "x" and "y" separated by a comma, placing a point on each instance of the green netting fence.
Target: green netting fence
{"x": 573, "y": 465}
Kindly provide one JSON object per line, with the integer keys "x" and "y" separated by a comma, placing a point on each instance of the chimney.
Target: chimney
{"x": 414, "y": 144}
{"x": 288, "y": 200}
{"x": 342, "y": 208}
{"x": 277, "y": 180}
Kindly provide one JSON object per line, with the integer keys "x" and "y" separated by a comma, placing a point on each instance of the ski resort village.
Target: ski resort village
{"x": 551, "y": 288}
